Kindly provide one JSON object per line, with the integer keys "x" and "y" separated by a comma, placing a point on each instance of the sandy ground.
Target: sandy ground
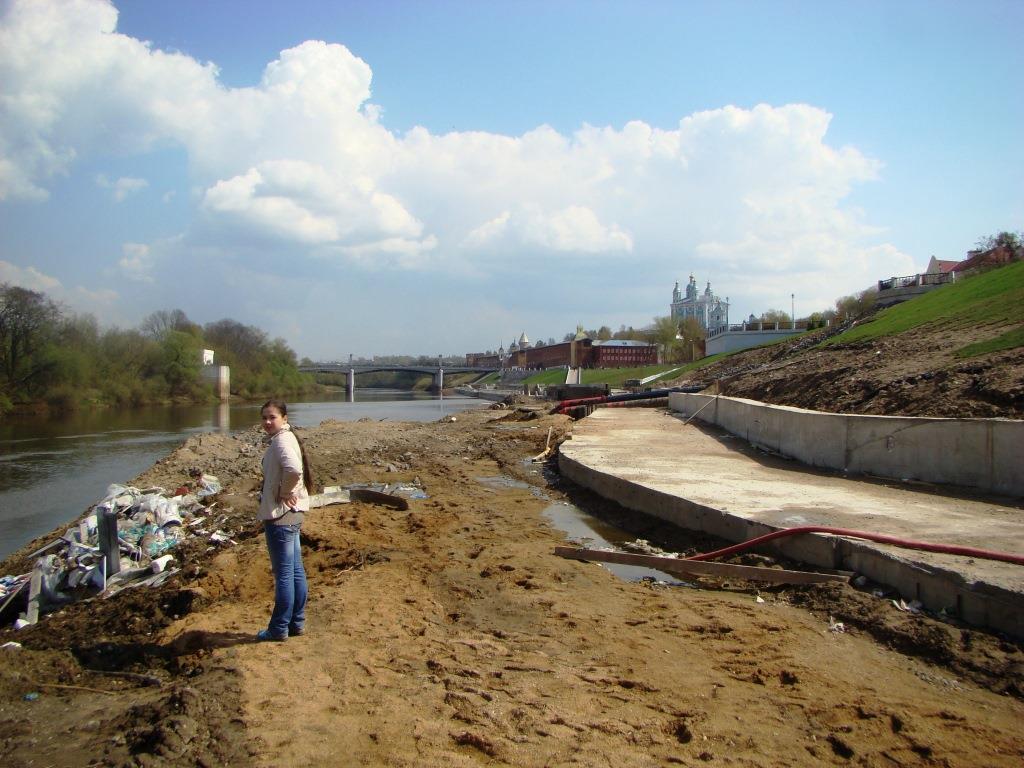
{"x": 449, "y": 635}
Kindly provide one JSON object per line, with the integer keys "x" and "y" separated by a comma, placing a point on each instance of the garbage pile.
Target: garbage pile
{"x": 122, "y": 542}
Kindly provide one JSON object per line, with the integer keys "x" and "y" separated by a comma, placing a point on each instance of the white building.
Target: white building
{"x": 706, "y": 308}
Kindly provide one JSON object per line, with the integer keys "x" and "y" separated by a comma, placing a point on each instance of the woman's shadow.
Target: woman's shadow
{"x": 197, "y": 639}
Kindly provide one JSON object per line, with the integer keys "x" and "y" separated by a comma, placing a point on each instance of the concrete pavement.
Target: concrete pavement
{"x": 703, "y": 478}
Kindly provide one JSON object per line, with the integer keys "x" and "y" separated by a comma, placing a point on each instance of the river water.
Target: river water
{"x": 53, "y": 470}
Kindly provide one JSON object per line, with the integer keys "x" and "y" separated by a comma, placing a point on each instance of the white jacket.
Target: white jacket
{"x": 282, "y": 474}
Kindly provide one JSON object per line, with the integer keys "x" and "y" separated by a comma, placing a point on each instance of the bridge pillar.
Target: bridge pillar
{"x": 438, "y": 380}
{"x": 351, "y": 387}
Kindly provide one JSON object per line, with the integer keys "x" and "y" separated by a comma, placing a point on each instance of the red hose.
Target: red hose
{"x": 947, "y": 549}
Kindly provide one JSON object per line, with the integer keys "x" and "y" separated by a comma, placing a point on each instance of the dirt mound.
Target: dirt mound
{"x": 915, "y": 373}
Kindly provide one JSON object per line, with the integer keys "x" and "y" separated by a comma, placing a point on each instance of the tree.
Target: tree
{"x": 856, "y": 306}
{"x": 159, "y": 323}
{"x": 775, "y": 316}
{"x": 664, "y": 332}
{"x": 604, "y": 333}
{"x": 28, "y": 322}
{"x": 128, "y": 353}
{"x": 180, "y": 361}
{"x": 691, "y": 330}
{"x": 1012, "y": 240}
{"x": 243, "y": 344}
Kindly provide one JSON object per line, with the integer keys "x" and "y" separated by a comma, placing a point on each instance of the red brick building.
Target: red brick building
{"x": 581, "y": 352}
{"x": 623, "y": 353}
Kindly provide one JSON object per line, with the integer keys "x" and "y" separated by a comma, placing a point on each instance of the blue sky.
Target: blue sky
{"x": 438, "y": 177}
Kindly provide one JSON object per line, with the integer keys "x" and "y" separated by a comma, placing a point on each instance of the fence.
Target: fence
{"x": 914, "y": 281}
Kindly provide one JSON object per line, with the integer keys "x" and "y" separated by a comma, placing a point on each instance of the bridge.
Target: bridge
{"x": 351, "y": 370}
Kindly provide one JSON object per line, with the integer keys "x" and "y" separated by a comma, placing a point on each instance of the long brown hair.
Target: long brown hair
{"x": 307, "y": 472}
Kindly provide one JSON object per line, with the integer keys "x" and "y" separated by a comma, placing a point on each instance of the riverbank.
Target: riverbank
{"x": 450, "y": 635}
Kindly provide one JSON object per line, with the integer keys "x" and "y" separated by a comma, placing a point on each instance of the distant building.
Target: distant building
{"x": 482, "y": 360}
{"x": 623, "y": 353}
{"x": 579, "y": 352}
{"x": 938, "y": 266}
{"x": 706, "y": 308}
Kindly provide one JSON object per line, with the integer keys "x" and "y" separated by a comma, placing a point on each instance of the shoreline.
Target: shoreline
{"x": 449, "y": 633}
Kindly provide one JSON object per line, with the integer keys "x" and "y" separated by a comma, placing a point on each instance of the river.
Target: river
{"x": 53, "y": 470}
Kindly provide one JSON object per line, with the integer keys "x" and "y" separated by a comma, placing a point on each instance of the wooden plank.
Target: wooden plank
{"x": 700, "y": 568}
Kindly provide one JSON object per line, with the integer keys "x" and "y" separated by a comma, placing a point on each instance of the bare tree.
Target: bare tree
{"x": 160, "y": 323}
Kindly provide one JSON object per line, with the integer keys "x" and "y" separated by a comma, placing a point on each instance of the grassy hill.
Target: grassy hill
{"x": 992, "y": 300}
{"x": 957, "y": 351}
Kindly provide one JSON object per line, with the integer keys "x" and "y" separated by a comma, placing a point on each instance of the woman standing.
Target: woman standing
{"x": 287, "y": 482}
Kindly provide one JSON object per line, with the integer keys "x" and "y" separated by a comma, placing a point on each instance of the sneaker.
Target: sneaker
{"x": 296, "y": 631}
{"x": 264, "y": 636}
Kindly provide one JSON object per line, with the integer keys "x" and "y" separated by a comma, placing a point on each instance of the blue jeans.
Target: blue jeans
{"x": 289, "y": 579}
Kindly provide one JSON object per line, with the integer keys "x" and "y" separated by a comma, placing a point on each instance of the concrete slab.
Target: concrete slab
{"x": 705, "y": 479}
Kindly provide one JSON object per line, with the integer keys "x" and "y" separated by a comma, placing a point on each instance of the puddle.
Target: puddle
{"x": 502, "y": 482}
{"x": 589, "y": 532}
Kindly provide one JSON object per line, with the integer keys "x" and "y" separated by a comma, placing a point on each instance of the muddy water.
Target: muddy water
{"x": 52, "y": 470}
{"x": 587, "y": 531}
{"x": 584, "y": 530}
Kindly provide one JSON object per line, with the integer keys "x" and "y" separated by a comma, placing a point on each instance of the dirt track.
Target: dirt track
{"x": 449, "y": 635}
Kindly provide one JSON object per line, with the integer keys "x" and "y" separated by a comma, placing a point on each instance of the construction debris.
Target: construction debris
{"x": 121, "y": 543}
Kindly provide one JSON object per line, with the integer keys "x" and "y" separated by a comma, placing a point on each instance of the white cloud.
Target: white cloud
{"x": 136, "y": 262}
{"x": 79, "y": 298}
{"x": 124, "y": 186}
{"x": 301, "y": 202}
{"x": 27, "y": 277}
{"x": 574, "y": 229}
{"x": 300, "y": 164}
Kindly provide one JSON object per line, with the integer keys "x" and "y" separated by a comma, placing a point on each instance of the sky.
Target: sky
{"x": 416, "y": 177}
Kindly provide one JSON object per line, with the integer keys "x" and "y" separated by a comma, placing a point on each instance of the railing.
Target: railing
{"x": 799, "y": 325}
{"x": 914, "y": 281}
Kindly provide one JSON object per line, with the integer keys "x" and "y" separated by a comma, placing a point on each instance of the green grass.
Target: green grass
{"x": 549, "y": 376}
{"x": 1009, "y": 340}
{"x": 994, "y": 298}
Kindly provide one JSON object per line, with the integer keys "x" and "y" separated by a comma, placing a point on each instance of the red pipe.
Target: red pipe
{"x": 947, "y": 549}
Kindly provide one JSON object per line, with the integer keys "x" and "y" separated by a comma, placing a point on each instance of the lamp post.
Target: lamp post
{"x": 792, "y": 309}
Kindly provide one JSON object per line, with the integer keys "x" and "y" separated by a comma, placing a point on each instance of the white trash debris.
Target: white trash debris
{"x": 129, "y": 530}
{"x": 160, "y": 563}
{"x": 914, "y": 606}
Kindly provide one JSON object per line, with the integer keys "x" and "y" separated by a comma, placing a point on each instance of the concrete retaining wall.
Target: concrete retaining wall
{"x": 732, "y": 341}
{"x": 978, "y": 603}
{"x": 978, "y": 453}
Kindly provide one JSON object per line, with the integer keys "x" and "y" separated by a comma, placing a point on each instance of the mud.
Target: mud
{"x": 449, "y": 635}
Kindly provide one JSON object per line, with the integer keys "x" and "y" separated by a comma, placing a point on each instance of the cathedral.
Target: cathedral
{"x": 706, "y": 308}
